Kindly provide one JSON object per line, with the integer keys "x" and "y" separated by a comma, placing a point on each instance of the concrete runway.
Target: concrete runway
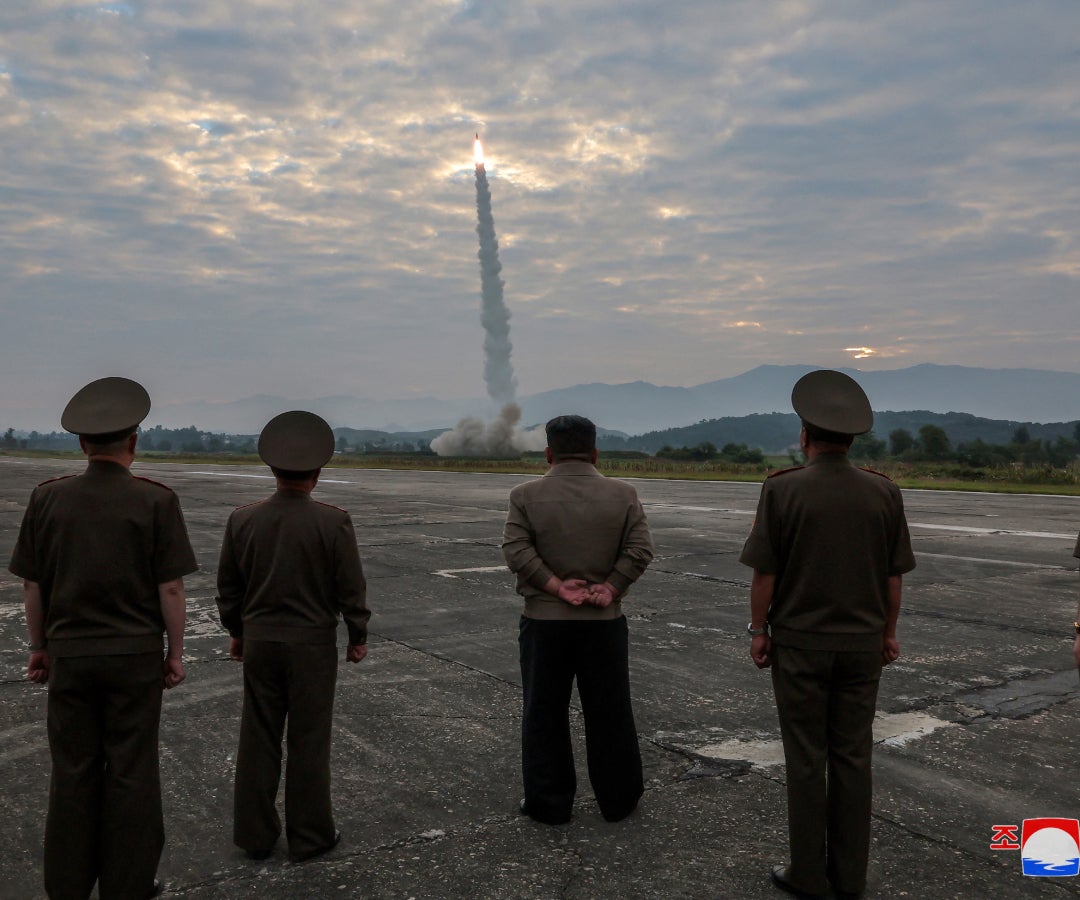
{"x": 977, "y": 720}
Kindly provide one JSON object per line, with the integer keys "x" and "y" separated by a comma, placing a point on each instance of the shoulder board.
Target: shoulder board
{"x": 57, "y": 478}
{"x": 331, "y": 506}
{"x": 151, "y": 481}
{"x": 249, "y": 505}
{"x": 874, "y": 472}
{"x": 785, "y": 471}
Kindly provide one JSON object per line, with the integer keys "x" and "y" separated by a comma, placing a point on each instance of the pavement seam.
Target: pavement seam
{"x": 447, "y": 659}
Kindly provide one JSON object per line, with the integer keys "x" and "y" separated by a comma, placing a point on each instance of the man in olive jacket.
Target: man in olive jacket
{"x": 576, "y": 541}
{"x": 103, "y": 557}
{"x": 829, "y": 548}
{"x": 289, "y": 568}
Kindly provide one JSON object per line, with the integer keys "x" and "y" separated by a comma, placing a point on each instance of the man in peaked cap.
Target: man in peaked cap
{"x": 102, "y": 556}
{"x": 289, "y": 567}
{"x": 829, "y": 547}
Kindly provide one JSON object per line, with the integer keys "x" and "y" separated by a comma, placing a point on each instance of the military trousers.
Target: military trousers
{"x": 553, "y": 653}
{"x": 105, "y": 821}
{"x": 826, "y": 702}
{"x": 293, "y": 682}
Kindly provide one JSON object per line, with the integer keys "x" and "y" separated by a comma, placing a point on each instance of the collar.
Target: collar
{"x": 286, "y": 494}
{"x": 573, "y": 467}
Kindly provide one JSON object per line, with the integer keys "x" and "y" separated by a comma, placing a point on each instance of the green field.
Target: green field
{"x": 929, "y": 476}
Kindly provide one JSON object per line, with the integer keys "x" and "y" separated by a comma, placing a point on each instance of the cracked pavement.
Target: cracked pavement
{"x": 978, "y": 716}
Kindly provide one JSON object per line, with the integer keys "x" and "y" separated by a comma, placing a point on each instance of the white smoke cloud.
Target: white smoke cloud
{"x": 501, "y": 437}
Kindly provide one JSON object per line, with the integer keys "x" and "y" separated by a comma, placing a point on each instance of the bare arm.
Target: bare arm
{"x": 38, "y": 668}
{"x": 890, "y": 647}
{"x": 174, "y": 612}
{"x": 762, "y": 586}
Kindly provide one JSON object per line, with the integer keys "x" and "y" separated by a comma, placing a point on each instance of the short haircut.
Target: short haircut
{"x": 108, "y": 444}
{"x": 571, "y": 436}
{"x": 292, "y": 475}
{"x": 821, "y": 436}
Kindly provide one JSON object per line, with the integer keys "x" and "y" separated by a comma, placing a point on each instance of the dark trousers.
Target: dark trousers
{"x": 553, "y": 653}
{"x": 826, "y": 702}
{"x": 294, "y": 681}
{"x": 105, "y": 822}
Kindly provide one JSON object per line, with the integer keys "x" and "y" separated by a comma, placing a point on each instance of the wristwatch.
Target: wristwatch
{"x": 758, "y": 632}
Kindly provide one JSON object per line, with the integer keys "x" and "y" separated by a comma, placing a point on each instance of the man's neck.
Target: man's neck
{"x": 124, "y": 461}
{"x": 815, "y": 450}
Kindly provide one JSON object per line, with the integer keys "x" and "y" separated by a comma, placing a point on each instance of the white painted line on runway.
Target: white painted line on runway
{"x": 968, "y": 529}
{"x": 996, "y": 562}
{"x": 231, "y": 475}
{"x": 741, "y": 512}
{"x": 453, "y": 573}
{"x": 268, "y": 477}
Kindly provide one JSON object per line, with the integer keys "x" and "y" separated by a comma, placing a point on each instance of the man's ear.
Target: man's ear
{"x": 594, "y": 456}
{"x": 548, "y": 455}
{"x": 133, "y": 439}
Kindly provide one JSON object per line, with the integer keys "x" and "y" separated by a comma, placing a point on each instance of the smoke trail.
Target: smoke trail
{"x": 494, "y": 316}
{"x": 502, "y": 437}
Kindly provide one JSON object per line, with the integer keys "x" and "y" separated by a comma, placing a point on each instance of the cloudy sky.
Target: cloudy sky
{"x": 259, "y": 196}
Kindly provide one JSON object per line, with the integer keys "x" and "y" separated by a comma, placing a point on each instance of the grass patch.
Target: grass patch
{"x": 924, "y": 476}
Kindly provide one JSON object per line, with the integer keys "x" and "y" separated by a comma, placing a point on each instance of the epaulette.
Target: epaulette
{"x": 874, "y": 472}
{"x": 785, "y": 471}
{"x": 331, "y": 506}
{"x": 57, "y": 478}
{"x": 252, "y": 503}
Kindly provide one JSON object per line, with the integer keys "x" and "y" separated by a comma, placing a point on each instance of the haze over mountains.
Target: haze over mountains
{"x": 1024, "y": 395}
{"x": 1029, "y": 395}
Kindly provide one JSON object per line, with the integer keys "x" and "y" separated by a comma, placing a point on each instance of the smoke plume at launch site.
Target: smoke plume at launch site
{"x": 501, "y": 437}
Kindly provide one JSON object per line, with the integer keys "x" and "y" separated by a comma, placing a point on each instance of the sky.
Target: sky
{"x": 223, "y": 199}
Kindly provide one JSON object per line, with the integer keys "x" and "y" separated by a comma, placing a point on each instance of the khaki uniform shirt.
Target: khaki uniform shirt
{"x": 832, "y": 534}
{"x": 289, "y": 566}
{"x": 99, "y": 544}
{"x": 575, "y": 523}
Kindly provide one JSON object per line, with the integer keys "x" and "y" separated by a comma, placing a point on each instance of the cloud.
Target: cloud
{"x": 239, "y": 198}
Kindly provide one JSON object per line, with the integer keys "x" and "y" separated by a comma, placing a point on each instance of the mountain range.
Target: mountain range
{"x": 1022, "y": 395}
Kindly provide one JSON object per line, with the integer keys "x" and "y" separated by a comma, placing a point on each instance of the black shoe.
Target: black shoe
{"x": 258, "y": 854}
{"x": 847, "y": 895}
{"x": 523, "y": 808}
{"x": 779, "y": 878}
{"x": 156, "y": 889}
{"x": 619, "y": 814}
{"x": 306, "y": 856}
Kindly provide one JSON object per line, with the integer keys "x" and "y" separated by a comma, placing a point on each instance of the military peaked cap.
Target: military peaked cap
{"x": 296, "y": 441}
{"x": 832, "y": 401}
{"x": 108, "y": 407}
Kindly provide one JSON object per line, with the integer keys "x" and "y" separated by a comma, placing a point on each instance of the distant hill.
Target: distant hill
{"x": 1005, "y": 394}
{"x": 775, "y": 432}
